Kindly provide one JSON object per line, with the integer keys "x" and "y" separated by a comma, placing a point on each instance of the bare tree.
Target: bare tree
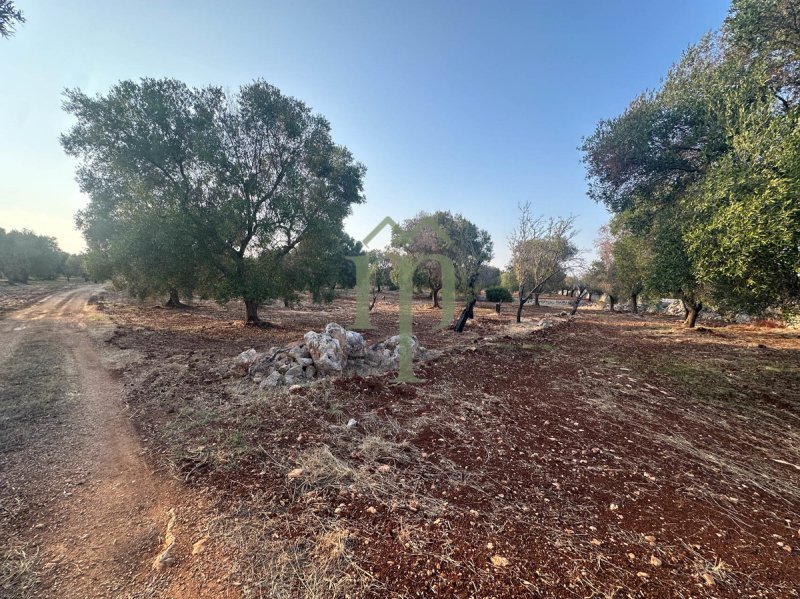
{"x": 541, "y": 249}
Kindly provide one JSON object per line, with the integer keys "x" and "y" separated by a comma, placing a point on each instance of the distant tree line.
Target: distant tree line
{"x": 702, "y": 175}
{"x": 25, "y": 255}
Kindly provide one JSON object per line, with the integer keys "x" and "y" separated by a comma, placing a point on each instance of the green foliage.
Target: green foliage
{"x": 705, "y": 171}
{"x": 320, "y": 264}
{"x": 245, "y": 194}
{"x": 452, "y": 236}
{"x": 380, "y": 271}
{"x": 488, "y": 276}
{"x": 508, "y": 280}
{"x": 632, "y": 264}
{"x": 600, "y": 278}
{"x": 23, "y": 255}
{"x": 74, "y": 267}
{"x": 498, "y": 294}
{"x": 542, "y": 250}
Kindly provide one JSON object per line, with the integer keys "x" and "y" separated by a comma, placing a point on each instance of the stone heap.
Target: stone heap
{"x": 336, "y": 351}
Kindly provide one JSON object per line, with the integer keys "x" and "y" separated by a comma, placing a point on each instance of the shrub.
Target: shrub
{"x": 497, "y": 294}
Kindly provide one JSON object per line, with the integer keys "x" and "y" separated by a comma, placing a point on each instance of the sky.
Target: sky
{"x": 469, "y": 106}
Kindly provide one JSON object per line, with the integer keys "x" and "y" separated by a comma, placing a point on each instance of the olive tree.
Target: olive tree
{"x": 541, "y": 251}
{"x": 250, "y": 176}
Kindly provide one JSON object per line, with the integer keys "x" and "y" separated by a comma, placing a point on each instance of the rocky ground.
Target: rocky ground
{"x": 607, "y": 455}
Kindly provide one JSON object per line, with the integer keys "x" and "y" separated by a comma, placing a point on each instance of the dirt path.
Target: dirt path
{"x": 81, "y": 512}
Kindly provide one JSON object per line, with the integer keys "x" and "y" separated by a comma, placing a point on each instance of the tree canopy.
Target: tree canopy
{"x": 456, "y": 238}
{"x": 704, "y": 169}
{"x": 24, "y": 254}
{"x": 542, "y": 250}
{"x": 244, "y": 187}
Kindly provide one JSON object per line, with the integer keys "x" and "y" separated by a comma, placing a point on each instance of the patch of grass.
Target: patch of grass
{"x": 288, "y": 565}
{"x": 18, "y": 573}
{"x": 322, "y": 470}
{"x": 34, "y": 390}
{"x": 702, "y": 379}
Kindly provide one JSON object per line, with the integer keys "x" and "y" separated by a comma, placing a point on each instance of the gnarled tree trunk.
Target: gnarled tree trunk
{"x": 576, "y": 303}
{"x": 693, "y": 312}
{"x": 174, "y": 300}
{"x": 536, "y": 299}
{"x": 251, "y": 309}
{"x": 466, "y": 314}
{"x": 634, "y": 304}
{"x": 435, "y": 294}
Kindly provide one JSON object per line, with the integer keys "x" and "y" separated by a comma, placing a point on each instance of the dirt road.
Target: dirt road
{"x": 81, "y": 512}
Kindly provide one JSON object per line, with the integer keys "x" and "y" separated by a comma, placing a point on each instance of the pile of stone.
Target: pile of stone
{"x": 336, "y": 351}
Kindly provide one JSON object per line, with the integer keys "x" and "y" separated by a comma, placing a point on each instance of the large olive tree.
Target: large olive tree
{"x": 249, "y": 177}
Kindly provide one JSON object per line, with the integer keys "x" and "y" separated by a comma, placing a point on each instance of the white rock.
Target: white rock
{"x": 395, "y": 342}
{"x": 327, "y": 353}
{"x": 300, "y": 352}
{"x": 352, "y": 423}
{"x": 245, "y": 359}
{"x": 355, "y": 346}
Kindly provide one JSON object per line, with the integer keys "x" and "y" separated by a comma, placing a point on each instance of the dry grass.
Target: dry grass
{"x": 18, "y": 571}
{"x": 308, "y": 556}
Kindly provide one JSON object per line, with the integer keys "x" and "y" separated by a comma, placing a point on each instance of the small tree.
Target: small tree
{"x": 509, "y": 280}
{"x": 448, "y": 235}
{"x": 541, "y": 249}
{"x": 73, "y": 267}
{"x": 498, "y": 294}
{"x": 380, "y": 270}
{"x": 600, "y": 278}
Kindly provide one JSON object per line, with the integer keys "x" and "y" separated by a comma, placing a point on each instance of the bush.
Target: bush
{"x": 498, "y": 294}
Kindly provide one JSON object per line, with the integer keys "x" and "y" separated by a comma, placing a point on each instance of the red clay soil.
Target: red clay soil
{"x": 610, "y": 455}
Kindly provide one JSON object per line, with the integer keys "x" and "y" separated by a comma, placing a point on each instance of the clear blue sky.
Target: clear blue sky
{"x": 468, "y": 106}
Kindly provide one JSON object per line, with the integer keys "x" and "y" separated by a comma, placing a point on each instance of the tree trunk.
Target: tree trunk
{"x": 536, "y": 299}
{"x": 174, "y": 300}
{"x": 435, "y": 293}
{"x": 634, "y": 305}
{"x": 694, "y": 312}
{"x": 611, "y": 301}
{"x": 519, "y": 310}
{"x": 576, "y": 303}
{"x": 465, "y": 315}
{"x": 251, "y": 307}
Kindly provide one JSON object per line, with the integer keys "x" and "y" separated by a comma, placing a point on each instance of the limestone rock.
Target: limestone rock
{"x": 244, "y": 360}
{"x": 327, "y": 353}
{"x": 355, "y": 346}
{"x": 273, "y": 380}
